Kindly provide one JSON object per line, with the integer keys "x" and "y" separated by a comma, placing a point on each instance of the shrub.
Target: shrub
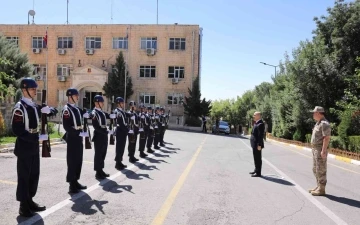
{"x": 354, "y": 144}
{"x": 2, "y": 126}
{"x": 51, "y": 127}
{"x": 308, "y": 138}
{"x": 297, "y": 136}
{"x": 193, "y": 122}
{"x": 336, "y": 142}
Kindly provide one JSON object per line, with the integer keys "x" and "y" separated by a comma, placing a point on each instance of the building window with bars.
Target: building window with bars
{"x": 147, "y": 99}
{"x": 120, "y": 43}
{"x": 177, "y": 43}
{"x": 148, "y": 42}
{"x": 65, "y": 42}
{"x": 38, "y": 42}
{"x": 13, "y": 39}
{"x": 63, "y": 69}
{"x": 176, "y": 72}
{"x": 93, "y": 43}
{"x": 175, "y": 99}
{"x": 148, "y": 71}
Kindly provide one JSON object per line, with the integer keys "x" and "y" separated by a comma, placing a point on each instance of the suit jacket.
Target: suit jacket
{"x": 257, "y": 134}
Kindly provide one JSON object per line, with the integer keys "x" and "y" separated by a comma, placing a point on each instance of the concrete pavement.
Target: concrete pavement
{"x": 197, "y": 179}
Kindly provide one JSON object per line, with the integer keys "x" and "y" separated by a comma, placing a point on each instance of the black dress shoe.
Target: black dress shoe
{"x": 156, "y": 147}
{"x": 73, "y": 188}
{"x": 25, "y": 210}
{"x": 256, "y": 175}
{"x": 105, "y": 174}
{"x": 80, "y": 186}
{"x": 99, "y": 176}
{"x": 252, "y": 172}
{"x": 162, "y": 145}
{"x": 150, "y": 150}
{"x": 133, "y": 160}
{"x": 143, "y": 155}
{"x": 35, "y": 207}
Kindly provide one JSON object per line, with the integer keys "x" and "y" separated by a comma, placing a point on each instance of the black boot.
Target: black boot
{"x": 156, "y": 147}
{"x": 99, "y": 175}
{"x": 133, "y": 160}
{"x": 120, "y": 166}
{"x": 73, "y": 188}
{"x": 36, "y": 207}
{"x": 143, "y": 155}
{"x": 25, "y": 210}
{"x": 80, "y": 186}
{"x": 105, "y": 174}
{"x": 150, "y": 150}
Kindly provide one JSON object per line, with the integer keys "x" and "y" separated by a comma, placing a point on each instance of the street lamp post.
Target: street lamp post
{"x": 269, "y": 65}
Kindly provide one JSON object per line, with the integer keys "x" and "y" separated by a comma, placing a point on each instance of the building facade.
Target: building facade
{"x": 162, "y": 60}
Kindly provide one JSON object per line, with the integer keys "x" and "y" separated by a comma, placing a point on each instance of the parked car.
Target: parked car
{"x": 223, "y": 127}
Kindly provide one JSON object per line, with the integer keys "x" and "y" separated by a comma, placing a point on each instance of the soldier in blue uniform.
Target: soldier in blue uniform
{"x": 144, "y": 127}
{"x": 25, "y": 123}
{"x": 121, "y": 132}
{"x": 134, "y": 131}
{"x": 157, "y": 128}
{"x": 150, "y": 134}
{"x": 100, "y": 137}
{"x": 73, "y": 120}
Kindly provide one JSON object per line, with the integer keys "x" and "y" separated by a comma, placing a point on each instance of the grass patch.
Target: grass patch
{"x": 10, "y": 139}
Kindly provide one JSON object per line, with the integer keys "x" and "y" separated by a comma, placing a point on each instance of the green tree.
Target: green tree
{"x": 115, "y": 86}
{"x": 14, "y": 63}
{"x": 194, "y": 106}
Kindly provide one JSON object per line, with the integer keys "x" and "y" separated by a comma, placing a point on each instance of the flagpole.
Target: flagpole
{"x": 47, "y": 71}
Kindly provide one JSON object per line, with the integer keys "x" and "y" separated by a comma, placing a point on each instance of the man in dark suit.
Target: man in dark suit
{"x": 257, "y": 143}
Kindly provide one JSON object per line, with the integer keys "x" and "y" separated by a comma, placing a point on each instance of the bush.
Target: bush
{"x": 354, "y": 144}
{"x": 336, "y": 142}
{"x": 18, "y": 95}
{"x": 2, "y": 126}
{"x": 51, "y": 127}
{"x": 308, "y": 138}
{"x": 193, "y": 122}
{"x": 297, "y": 136}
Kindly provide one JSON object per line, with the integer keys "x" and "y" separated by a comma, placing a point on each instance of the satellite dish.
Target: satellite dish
{"x": 31, "y": 12}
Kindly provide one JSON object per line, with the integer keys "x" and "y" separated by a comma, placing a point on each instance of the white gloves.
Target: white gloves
{"x": 84, "y": 134}
{"x": 142, "y": 117}
{"x": 43, "y": 137}
{"x": 141, "y": 130}
{"x": 45, "y": 110}
{"x": 112, "y": 116}
{"x": 86, "y": 115}
{"x": 111, "y": 132}
{"x": 133, "y": 117}
{"x": 131, "y": 131}
{"x": 156, "y": 117}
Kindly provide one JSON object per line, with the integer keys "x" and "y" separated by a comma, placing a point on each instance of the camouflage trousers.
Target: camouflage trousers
{"x": 319, "y": 166}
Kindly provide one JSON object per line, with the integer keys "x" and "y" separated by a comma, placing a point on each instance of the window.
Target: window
{"x": 38, "y": 42}
{"x": 120, "y": 43}
{"x": 147, "y": 99}
{"x": 39, "y": 70}
{"x": 177, "y": 43}
{"x": 147, "y": 71}
{"x": 65, "y": 42}
{"x": 176, "y": 72}
{"x": 175, "y": 99}
{"x": 93, "y": 42}
{"x": 13, "y": 39}
{"x": 63, "y": 69}
{"x": 38, "y": 95}
{"x": 149, "y": 42}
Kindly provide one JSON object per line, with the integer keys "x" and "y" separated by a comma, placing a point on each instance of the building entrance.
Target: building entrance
{"x": 88, "y": 99}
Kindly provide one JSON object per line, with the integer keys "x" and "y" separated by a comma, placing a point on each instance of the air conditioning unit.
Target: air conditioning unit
{"x": 61, "y": 78}
{"x": 89, "y": 51}
{"x": 61, "y": 51}
{"x": 39, "y": 77}
{"x": 150, "y": 51}
{"x": 36, "y": 50}
{"x": 175, "y": 80}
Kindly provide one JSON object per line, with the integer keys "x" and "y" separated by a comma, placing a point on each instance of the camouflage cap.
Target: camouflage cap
{"x": 318, "y": 109}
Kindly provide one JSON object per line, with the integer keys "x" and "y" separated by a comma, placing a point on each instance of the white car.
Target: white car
{"x": 223, "y": 127}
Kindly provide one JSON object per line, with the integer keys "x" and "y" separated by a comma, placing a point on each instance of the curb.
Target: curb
{"x": 10, "y": 149}
{"x": 332, "y": 156}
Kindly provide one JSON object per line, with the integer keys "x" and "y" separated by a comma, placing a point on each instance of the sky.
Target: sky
{"x": 237, "y": 34}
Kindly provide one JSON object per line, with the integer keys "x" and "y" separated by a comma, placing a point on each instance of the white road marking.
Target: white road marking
{"x": 318, "y": 204}
{"x": 74, "y": 197}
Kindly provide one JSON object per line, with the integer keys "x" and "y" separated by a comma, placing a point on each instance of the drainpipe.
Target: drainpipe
{"x": 192, "y": 59}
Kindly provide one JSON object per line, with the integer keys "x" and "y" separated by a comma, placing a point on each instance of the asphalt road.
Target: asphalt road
{"x": 197, "y": 179}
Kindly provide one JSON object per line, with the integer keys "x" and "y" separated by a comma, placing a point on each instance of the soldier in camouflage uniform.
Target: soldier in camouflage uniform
{"x": 319, "y": 141}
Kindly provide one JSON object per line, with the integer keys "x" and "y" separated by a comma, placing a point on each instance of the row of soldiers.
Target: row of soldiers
{"x": 127, "y": 125}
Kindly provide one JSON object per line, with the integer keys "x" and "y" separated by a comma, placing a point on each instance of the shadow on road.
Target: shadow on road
{"x": 343, "y": 200}
{"x": 135, "y": 176}
{"x": 145, "y": 167}
{"x": 21, "y": 219}
{"x": 152, "y": 160}
{"x": 113, "y": 187}
{"x": 169, "y": 148}
{"x": 166, "y": 151}
{"x": 85, "y": 203}
{"x": 161, "y": 155}
{"x": 277, "y": 180}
